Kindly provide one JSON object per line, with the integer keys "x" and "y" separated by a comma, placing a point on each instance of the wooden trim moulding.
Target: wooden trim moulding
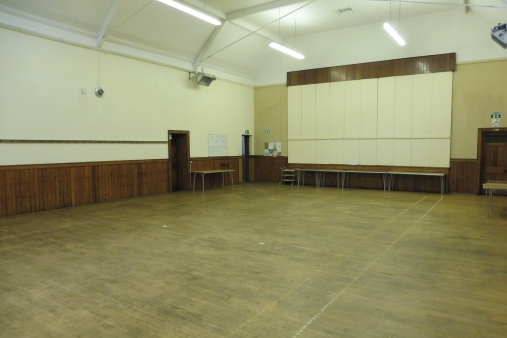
{"x": 214, "y": 158}
{"x": 75, "y": 164}
{"x": 464, "y": 160}
{"x": 369, "y": 168}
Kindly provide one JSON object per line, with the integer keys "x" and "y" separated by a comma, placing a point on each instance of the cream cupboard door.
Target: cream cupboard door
{"x": 322, "y": 108}
{"x": 308, "y": 112}
{"x": 294, "y": 113}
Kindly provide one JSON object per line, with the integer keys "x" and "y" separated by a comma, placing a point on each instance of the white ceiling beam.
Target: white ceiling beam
{"x": 207, "y": 45}
{"x": 213, "y": 11}
{"x": 107, "y": 21}
{"x": 465, "y": 8}
{"x": 261, "y": 8}
{"x": 250, "y": 28}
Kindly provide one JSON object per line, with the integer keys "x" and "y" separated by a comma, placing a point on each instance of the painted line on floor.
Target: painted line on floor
{"x": 291, "y": 291}
{"x": 304, "y": 327}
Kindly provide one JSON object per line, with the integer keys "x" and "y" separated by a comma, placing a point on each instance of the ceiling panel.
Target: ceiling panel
{"x": 228, "y": 6}
{"x": 153, "y": 26}
{"x": 164, "y": 28}
{"x": 323, "y": 15}
{"x": 84, "y": 15}
{"x": 235, "y": 48}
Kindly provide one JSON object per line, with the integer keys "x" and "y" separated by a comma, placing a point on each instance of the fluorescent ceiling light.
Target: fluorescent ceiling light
{"x": 286, "y": 50}
{"x": 191, "y": 11}
{"x": 394, "y": 34}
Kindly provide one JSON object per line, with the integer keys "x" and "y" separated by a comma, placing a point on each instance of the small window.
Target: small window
{"x": 496, "y": 138}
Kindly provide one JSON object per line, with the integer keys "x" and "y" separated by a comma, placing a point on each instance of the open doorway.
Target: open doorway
{"x": 246, "y": 158}
{"x": 179, "y": 160}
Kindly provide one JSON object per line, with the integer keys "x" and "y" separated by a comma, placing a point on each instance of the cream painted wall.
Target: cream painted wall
{"x": 41, "y": 99}
{"x": 478, "y": 90}
{"x": 270, "y": 114}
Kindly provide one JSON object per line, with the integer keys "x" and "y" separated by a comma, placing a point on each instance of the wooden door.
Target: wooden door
{"x": 179, "y": 160}
{"x": 494, "y": 157}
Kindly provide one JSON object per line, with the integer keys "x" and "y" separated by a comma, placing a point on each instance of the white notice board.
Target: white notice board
{"x": 217, "y": 145}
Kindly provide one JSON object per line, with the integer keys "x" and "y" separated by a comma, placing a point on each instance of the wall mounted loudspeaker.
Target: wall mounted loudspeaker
{"x": 99, "y": 92}
{"x": 499, "y": 34}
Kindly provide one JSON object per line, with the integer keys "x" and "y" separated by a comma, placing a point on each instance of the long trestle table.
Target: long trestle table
{"x": 387, "y": 176}
{"x": 392, "y": 174}
{"x": 205, "y": 172}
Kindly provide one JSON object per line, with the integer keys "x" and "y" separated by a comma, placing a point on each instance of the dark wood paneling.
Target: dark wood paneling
{"x": 267, "y": 168}
{"x": 409, "y": 66}
{"x": 464, "y": 176}
{"x": 26, "y": 189}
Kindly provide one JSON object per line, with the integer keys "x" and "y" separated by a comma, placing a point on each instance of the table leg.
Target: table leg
{"x": 232, "y": 179}
{"x": 384, "y": 178}
{"x": 193, "y": 187}
{"x": 202, "y": 182}
{"x": 337, "y": 180}
{"x": 486, "y": 195}
{"x": 490, "y": 201}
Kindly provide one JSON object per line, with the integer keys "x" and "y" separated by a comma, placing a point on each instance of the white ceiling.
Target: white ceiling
{"x": 155, "y": 27}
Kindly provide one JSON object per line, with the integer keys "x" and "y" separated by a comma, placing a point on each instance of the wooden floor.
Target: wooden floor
{"x": 258, "y": 260}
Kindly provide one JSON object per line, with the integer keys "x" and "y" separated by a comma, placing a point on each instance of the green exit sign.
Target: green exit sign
{"x": 496, "y": 115}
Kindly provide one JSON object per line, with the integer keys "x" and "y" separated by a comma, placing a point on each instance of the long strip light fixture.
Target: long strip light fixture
{"x": 192, "y": 11}
{"x": 394, "y": 34}
{"x": 286, "y": 50}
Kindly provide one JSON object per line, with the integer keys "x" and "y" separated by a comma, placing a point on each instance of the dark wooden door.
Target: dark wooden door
{"x": 246, "y": 158}
{"x": 494, "y": 157}
{"x": 179, "y": 158}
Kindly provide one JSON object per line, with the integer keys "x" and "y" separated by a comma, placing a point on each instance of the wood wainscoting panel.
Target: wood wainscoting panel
{"x": 33, "y": 188}
{"x": 464, "y": 176}
{"x": 267, "y": 168}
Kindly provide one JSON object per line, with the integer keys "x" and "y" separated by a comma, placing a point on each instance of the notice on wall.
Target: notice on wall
{"x": 495, "y": 119}
{"x": 217, "y": 145}
{"x": 279, "y": 147}
{"x": 272, "y": 148}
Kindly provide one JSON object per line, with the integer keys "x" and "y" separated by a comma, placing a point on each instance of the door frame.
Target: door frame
{"x": 480, "y": 142}
{"x": 186, "y": 159}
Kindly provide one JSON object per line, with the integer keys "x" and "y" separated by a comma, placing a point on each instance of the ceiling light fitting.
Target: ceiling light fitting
{"x": 192, "y": 11}
{"x": 394, "y": 34}
{"x": 286, "y": 50}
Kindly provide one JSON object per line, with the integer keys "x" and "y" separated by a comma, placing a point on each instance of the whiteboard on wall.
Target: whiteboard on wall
{"x": 217, "y": 145}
